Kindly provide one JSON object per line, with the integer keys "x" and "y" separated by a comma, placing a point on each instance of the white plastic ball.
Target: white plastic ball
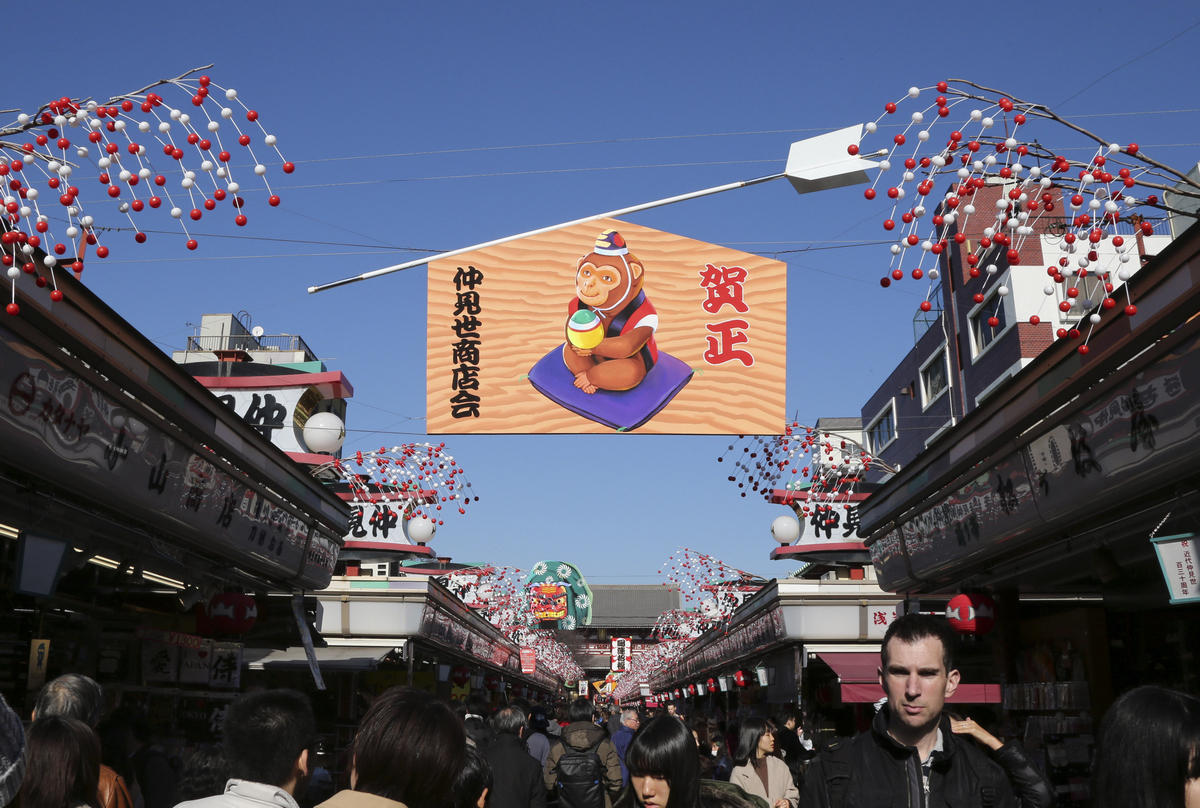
{"x": 49, "y": 260}
{"x": 976, "y": 115}
{"x": 176, "y": 213}
{"x": 1002, "y": 291}
{"x": 214, "y": 126}
{"x": 938, "y": 161}
{"x": 72, "y": 231}
{"x": 221, "y": 172}
{"x": 1048, "y": 289}
{"x": 1010, "y": 142}
{"x": 104, "y": 162}
{"x": 226, "y": 112}
{"x": 990, "y": 160}
{"x": 871, "y": 126}
{"x": 1113, "y": 148}
{"x": 909, "y": 176}
{"x": 143, "y": 126}
{"x": 885, "y": 165}
{"x": 269, "y": 140}
{"x": 31, "y": 194}
{"x": 420, "y": 529}
{"x": 82, "y": 151}
{"x": 785, "y": 529}
{"x": 234, "y": 187}
{"x": 1124, "y": 274}
{"x": 324, "y": 432}
{"x": 987, "y": 123}
{"x": 184, "y": 117}
{"x": 913, "y": 92}
{"x": 13, "y": 273}
{"x": 895, "y": 248}
{"x": 923, "y": 135}
{"x": 927, "y": 245}
{"x": 143, "y": 173}
{"x": 1094, "y": 318}
{"x": 1094, "y": 204}
{"x": 231, "y": 94}
{"x": 164, "y": 126}
{"x": 87, "y": 221}
{"x": 992, "y": 269}
{"x": 25, "y": 210}
{"x": 22, "y": 119}
{"x": 260, "y": 169}
{"x": 968, "y": 209}
{"x": 207, "y": 165}
{"x": 963, "y": 173}
{"x": 1035, "y": 171}
{"x": 933, "y": 274}
{"x": 119, "y": 126}
{"x": 187, "y": 182}
{"x": 918, "y": 211}
{"x": 917, "y": 117}
{"x": 1123, "y": 258}
{"x": 95, "y": 124}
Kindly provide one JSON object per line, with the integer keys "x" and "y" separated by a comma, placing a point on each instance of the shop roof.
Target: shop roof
{"x": 631, "y": 606}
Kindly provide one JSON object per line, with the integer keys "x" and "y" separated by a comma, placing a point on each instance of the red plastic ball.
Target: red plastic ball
{"x": 869, "y": 193}
{"x": 273, "y": 200}
{"x": 192, "y": 244}
{"x": 102, "y": 252}
{"x": 196, "y": 214}
{"x": 56, "y": 296}
{"x": 1034, "y": 319}
{"x": 898, "y": 274}
{"x": 1130, "y": 310}
{"x": 240, "y": 220}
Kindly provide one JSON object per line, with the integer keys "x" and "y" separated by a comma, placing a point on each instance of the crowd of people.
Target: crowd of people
{"x": 413, "y": 751}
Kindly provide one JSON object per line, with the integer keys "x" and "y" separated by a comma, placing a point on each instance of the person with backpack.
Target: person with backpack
{"x": 910, "y": 755}
{"x": 583, "y": 768}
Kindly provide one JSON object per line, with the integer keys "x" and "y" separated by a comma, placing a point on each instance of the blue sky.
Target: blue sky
{"x": 438, "y": 125}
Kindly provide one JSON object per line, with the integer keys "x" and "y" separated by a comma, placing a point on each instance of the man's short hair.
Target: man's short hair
{"x": 508, "y": 720}
{"x": 71, "y": 695}
{"x": 265, "y": 732}
{"x": 911, "y": 628}
{"x": 580, "y": 710}
{"x": 629, "y": 713}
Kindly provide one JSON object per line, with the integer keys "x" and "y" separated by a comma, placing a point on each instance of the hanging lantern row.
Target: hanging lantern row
{"x": 422, "y": 478}
{"x": 182, "y": 148}
{"x": 974, "y": 137}
{"x": 812, "y": 468}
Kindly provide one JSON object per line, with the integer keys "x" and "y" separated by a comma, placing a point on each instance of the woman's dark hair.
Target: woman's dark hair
{"x": 479, "y": 733}
{"x": 580, "y": 710}
{"x": 409, "y": 748}
{"x": 472, "y": 779}
{"x": 204, "y": 773}
{"x": 1149, "y": 748}
{"x": 664, "y": 747}
{"x": 63, "y": 764}
{"x": 749, "y": 732}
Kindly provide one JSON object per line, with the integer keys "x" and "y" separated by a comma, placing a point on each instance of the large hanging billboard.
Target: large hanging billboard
{"x": 606, "y": 326}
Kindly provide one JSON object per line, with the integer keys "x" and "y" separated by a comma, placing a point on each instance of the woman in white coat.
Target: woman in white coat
{"x": 759, "y": 772}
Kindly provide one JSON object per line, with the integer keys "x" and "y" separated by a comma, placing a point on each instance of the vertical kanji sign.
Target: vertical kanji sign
{"x": 606, "y": 326}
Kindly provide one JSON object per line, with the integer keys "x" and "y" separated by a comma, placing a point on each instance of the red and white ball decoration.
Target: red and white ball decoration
{"x": 180, "y": 148}
{"x": 421, "y": 478}
{"x": 498, "y": 593}
{"x": 971, "y": 137}
{"x": 817, "y": 470}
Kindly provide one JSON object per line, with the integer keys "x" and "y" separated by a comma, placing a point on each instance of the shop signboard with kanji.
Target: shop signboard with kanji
{"x": 606, "y": 326}
{"x": 1180, "y": 566}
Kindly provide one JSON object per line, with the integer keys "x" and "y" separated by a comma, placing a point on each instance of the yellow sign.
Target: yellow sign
{"x": 606, "y": 326}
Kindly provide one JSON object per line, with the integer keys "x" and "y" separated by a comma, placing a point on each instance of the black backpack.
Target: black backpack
{"x": 579, "y": 780}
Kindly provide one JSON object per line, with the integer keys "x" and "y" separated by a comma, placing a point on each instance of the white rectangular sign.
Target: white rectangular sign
{"x": 1180, "y": 566}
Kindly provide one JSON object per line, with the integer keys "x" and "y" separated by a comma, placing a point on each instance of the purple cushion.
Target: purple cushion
{"x": 622, "y": 410}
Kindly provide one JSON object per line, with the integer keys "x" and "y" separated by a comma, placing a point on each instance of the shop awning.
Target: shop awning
{"x": 341, "y": 658}
{"x": 858, "y": 675}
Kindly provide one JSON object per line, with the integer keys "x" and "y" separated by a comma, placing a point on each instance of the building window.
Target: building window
{"x": 988, "y": 322}
{"x": 933, "y": 377}
{"x": 882, "y": 430}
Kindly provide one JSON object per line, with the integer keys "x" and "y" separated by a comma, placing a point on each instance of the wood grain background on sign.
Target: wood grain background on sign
{"x": 527, "y": 286}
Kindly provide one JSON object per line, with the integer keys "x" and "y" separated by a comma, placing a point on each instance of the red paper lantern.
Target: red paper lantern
{"x": 459, "y": 675}
{"x": 712, "y": 684}
{"x": 971, "y": 613}
{"x": 229, "y": 613}
{"x": 739, "y": 678}
{"x": 691, "y": 690}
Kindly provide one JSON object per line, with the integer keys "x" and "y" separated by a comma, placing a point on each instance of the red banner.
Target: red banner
{"x": 528, "y": 660}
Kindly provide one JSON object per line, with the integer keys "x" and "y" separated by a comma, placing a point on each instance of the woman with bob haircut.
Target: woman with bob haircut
{"x": 664, "y": 766}
{"x": 63, "y": 765}
{"x": 1148, "y": 755}
{"x": 757, "y": 771}
{"x": 409, "y": 749}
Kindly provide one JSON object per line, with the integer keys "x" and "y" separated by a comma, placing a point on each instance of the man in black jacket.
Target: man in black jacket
{"x": 516, "y": 776}
{"x": 910, "y": 756}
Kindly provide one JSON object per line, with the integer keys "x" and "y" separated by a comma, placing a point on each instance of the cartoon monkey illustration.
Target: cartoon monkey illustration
{"x": 611, "y": 324}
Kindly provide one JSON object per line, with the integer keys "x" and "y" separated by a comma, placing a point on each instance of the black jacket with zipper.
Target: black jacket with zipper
{"x": 873, "y": 770}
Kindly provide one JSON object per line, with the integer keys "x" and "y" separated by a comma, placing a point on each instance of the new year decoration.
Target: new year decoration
{"x": 976, "y": 137}
{"x": 176, "y": 148}
{"x": 422, "y": 480}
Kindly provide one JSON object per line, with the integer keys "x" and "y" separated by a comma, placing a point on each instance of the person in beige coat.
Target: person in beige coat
{"x": 757, "y": 771}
